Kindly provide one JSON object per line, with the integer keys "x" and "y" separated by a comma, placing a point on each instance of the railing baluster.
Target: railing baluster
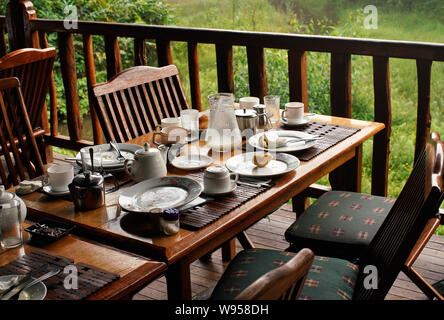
{"x": 164, "y": 55}
{"x": 340, "y": 85}
{"x": 139, "y": 52}
{"x": 68, "y": 67}
{"x": 423, "y": 122}
{"x": 90, "y": 70}
{"x": 113, "y": 60}
{"x": 3, "y": 47}
{"x": 193, "y": 66}
{"x": 225, "y": 73}
{"x": 297, "y": 77}
{"x": 257, "y": 74}
{"x": 383, "y": 113}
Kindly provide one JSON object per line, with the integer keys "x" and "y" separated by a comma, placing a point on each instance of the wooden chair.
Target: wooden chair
{"x": 16, "y": 137}
{"x": 358, "y": 215}
{"x": 33, "y": 68}
{"x": 336, "y": 278}
{"x": 134, "y": 101}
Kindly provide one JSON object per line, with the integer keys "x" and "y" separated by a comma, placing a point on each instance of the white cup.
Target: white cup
{"x": 60, "y": 176}
{"x": 170, "y": 122}
{"x": 218, "y": 179}
{"x": 294, "y": 112}
{"x": 248, "y": 102}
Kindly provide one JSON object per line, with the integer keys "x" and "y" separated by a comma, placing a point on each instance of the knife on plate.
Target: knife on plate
{"x": 22, "y": 283}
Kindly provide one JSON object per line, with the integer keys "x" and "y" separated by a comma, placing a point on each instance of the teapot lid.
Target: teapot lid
{"x": 87, "y": 179}
{"x": 245, "y": 113}
{"x": 260, "y": 108}
{"x": 146, "y": 151}
{"x": 5, "y": 197}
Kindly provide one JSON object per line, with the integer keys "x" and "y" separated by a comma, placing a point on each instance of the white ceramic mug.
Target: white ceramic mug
{"x": 248, "y": 102}
{"x": 169, "y": 122}
{"x": 218, "y": 179}
{"x": 60, "y": 176}
{"x": 170, "y": 135}
{"x": 294, "y": 112}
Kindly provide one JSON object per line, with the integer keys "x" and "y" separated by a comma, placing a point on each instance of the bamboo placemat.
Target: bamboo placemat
{"x": 90, "y": 279}
{"x": 202, "y": 215}
{"x": 331, "y": 135}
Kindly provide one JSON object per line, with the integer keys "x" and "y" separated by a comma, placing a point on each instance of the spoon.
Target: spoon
{"x": 91, "y": 155}
{"x": 114, "y": 145}
{"x": 47, "y": 275}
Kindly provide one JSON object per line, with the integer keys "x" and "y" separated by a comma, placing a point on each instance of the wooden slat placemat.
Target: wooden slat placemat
{"x": 90, "y": 279}
{"x": 202, "y": 215}
{"x": 332, "y": 134}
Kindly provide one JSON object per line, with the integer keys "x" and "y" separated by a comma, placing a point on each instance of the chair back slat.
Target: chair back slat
{"x": 418, "y": 202}
{"x": 33, "y": 67}
{"x": 283, "y": 283}
{"x": 16, "y": 137}
{"x": 135, "y": 101}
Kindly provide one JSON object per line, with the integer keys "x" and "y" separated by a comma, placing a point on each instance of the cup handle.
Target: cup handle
{"x": 236, "y": 175}
{"x": 157, "y": 133}
{"x": 125, "y": 164}
{"x": 284, "y": 114}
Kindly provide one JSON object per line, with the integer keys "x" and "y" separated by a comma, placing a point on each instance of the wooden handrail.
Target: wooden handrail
{"x": 340, "y": 48}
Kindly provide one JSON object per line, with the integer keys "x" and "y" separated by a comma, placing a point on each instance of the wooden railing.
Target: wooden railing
{"x": 31, "y": 32}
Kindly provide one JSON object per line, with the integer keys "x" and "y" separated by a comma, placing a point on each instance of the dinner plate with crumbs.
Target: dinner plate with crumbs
{"x": 159, "y": 193}
{"x": 35, "y": 292}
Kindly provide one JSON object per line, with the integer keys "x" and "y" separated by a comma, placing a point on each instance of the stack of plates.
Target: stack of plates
{"x": 109, "y": 156}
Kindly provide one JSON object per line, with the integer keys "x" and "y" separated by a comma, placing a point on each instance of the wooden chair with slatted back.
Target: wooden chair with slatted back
{"x": 21, "y": 157}
{"x": 134, "y": 101}
{"x": 33, "y": 68}
{"x": 283, "y": 283}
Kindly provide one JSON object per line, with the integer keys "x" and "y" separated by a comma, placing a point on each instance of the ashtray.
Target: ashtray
{"x": 48, "y": 231}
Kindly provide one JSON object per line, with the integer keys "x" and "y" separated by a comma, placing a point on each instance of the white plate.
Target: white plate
{"x": 215, "y": 194}
{"x": 36, "y": 292}
{"x": 305, "y": 120}
{"x": 191, "y": 161}
{"x": 162, "y": 193}
{"x": 243, "y": 165}
{"x": 109, "y": 155}
{"x": 289, "y": 147}
{"x": 48, "y": 190}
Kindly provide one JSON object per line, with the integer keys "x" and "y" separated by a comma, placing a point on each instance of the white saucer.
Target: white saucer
{"x": 233, "y": 187}
{"x": 305, "y": 120}
{"x": 192, "y": 161}
{"x": 48, "y": 190}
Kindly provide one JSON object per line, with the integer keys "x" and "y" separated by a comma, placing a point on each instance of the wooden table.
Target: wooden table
{"x": 180, "y": 250}
{"x": 135, "y": 271}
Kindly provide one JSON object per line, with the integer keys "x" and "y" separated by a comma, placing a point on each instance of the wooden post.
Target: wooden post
{"x": 68, "y": 67}
{"x": 18, "y": 16}
{"x": 113, "y": 60}
{"x": 164, "y": 55}
{"x": 297, "y": 77}
{"x": 383, "y": 113}
{"x": 257, "y": 74}
{"x": 3, "y": 46}
{"x": 224, "y": 63}
{"x": 424, "y": 120}
{"x": 139, "y": 52}
{"x": 193, "y": 66}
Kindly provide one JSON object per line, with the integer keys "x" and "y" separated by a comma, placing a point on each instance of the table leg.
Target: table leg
{"x": 179, "y": 281}
{"x": 348, "y": 176}
{"x": 229, "y": 250}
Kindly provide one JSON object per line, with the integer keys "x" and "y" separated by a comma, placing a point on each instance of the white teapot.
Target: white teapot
{"x": 148, "y": 163}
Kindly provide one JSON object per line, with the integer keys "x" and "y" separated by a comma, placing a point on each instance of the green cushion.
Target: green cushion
{"x": 328, "y": 278}
{"x": 340, "y": 224}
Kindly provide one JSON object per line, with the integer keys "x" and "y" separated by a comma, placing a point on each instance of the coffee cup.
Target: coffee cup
{"x": 169, "y": 122}
{"x": 170, "y": 135}
{"x": 248, "y": 102}
{"x": 218, "y": 179}
{"x": 59, "y": 177}
{"x": 294, "y": 112}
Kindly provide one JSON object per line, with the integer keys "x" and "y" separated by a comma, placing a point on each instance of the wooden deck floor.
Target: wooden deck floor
{"x": 268, "y": 233}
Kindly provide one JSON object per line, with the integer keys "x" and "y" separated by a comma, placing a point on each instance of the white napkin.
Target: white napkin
{"x": 5, "y": 285}
{"x": 27, "y": 186}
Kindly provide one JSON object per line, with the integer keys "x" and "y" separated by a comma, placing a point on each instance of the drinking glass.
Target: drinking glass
{"x": 272, "y": 105}
{"x": 11, "y": 224}
{"x": 190, "y": 121}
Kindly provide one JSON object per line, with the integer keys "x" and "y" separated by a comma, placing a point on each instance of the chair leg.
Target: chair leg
{"x": 229, "y": 250}
{"x": 422, "y": 284}
{"x": 245, "y": 241}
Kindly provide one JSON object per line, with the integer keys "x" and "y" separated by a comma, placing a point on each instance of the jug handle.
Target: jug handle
{"x": 125, "y": 164}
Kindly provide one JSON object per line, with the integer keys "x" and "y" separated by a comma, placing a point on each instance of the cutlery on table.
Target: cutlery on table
{"x": 114, "y": 145}
{"x": 303, "y": 139}
{"x": 22, "y": 283}
{"x": 28, "y": 284}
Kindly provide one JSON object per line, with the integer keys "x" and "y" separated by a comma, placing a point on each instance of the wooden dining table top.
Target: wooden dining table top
{"x": 135, "y": 271}
{"x": 104, "y": 224}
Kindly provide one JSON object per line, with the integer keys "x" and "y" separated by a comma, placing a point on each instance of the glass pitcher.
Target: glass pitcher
{"x": 223, "y": 134}
{"x": 10, "y": 219}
